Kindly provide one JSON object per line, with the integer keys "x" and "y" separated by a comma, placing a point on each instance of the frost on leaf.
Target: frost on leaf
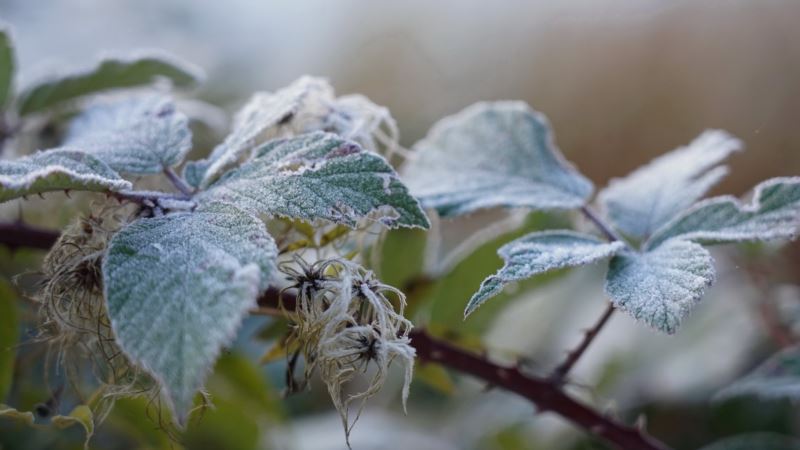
{"x": 660, "y": 287}
{"x": 309, "y": 104}
{"x": 7, "y": 66}
{"x": 538, "y": 253}
{"x": 319, "y": 176}
{"x": 177, "y": 288}
{"x": 293, "y": 110}
{"x": 774, "y": 213}
{"x": 138, "y": 69}
{"x": 649, "y": 197}
{"x": 493, "y": 154}
{"x": 778, "y": 377}
{"x": 57, "y": 170}
{"x": 138, "y": 134}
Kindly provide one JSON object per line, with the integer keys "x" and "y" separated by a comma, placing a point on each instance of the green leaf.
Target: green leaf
{"x": 652, "y": 195}
{"x": 139, "y": 134}
{"x": 660, "y": 287}
{"x": 111, "y": 73}
{"x": 777, "y": 377}
{"x": 538, "y": 253}
{"x": 442, "y": 301}
{"x": 57, "y": 170}
{"x": 9, "y": 335}
{"x": 178, "y": 287}
{"x": 7, "y": 67}
{"x": 294, "y": 110}
{"x": 493, "y": 154}
{"x": 80, "y": 415}
{"x": 774, "y": 213}
{"x": 319, "y": 176}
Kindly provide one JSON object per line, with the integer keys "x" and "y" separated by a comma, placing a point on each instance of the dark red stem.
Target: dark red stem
{"x": 546, "y": 394}
{"x": 16, "y": 235}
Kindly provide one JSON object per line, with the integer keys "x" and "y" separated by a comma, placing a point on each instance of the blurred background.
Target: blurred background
{"x": 621, "y": 81}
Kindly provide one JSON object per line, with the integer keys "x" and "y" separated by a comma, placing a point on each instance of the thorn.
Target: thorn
{"x": 641, "y": 422}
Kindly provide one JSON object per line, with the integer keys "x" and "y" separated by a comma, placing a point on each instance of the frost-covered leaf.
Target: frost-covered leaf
{"x": 139, "y": 134}
{"x": 294, "y": 110}
{"x": 774, "y": 213}
{"x": 177, "y": 288}
{"x": 110, "y": 73}
{"x": 660, "y": 287}
{"x": 652, "y": 195}
{"x": 56, "y": 170}
{"x": 7, "y": 67}
{"x": 493, "y": 154}
{"x": 81, "y": 415}
{"x": 540, "y": 252}
{"x": 319, "y": 176}
{"x": 777, "y": 377}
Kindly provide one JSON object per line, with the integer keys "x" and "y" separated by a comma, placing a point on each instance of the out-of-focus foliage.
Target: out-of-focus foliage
{"x": 110, "y": 73}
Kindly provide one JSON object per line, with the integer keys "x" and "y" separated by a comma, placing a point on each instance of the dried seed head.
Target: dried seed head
{"x": 345, "y": 321}
{"x": 74, "y": 321}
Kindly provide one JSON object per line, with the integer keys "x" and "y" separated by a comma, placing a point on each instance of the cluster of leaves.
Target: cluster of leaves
{"x": 502, "y": 155}
{"x": 184, "y": 268}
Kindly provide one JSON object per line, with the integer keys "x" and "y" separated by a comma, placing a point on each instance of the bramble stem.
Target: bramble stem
{"x": 178, "y": 182}
{"x": 146, "y": 198}
{"x": 18, "y": 234}
{"x": 573, "y": 356}
{"x": 601, "y": 225}
{"x": 546, "y": 394}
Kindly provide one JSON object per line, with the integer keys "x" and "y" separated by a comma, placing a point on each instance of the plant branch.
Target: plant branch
{"x": 560, "y": 373}
{"x": 178, "y": 182}
{"x": 18, "y": 235}
{"x": 146, "y": 198}
{"x": 601, "y": 225}
{"x": 545, "y": 394}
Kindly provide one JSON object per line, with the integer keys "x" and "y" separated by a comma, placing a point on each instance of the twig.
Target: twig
{"x": 547, "y": 395}
{"x": 18, "y": 235}
{"x": 561, "y": 371}
{"x": 572, "y": 357}
{"x": 178, "y": 182}
{"x": 146, "y": 198}
{"x": 607, "y": 231}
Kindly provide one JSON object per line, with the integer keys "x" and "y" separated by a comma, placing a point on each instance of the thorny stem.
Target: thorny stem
{"x": 546, "y": 394}
{"x": 18, "y": 234}
{"x": 560, "y": 373}
{"x": 178, "y": 182}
